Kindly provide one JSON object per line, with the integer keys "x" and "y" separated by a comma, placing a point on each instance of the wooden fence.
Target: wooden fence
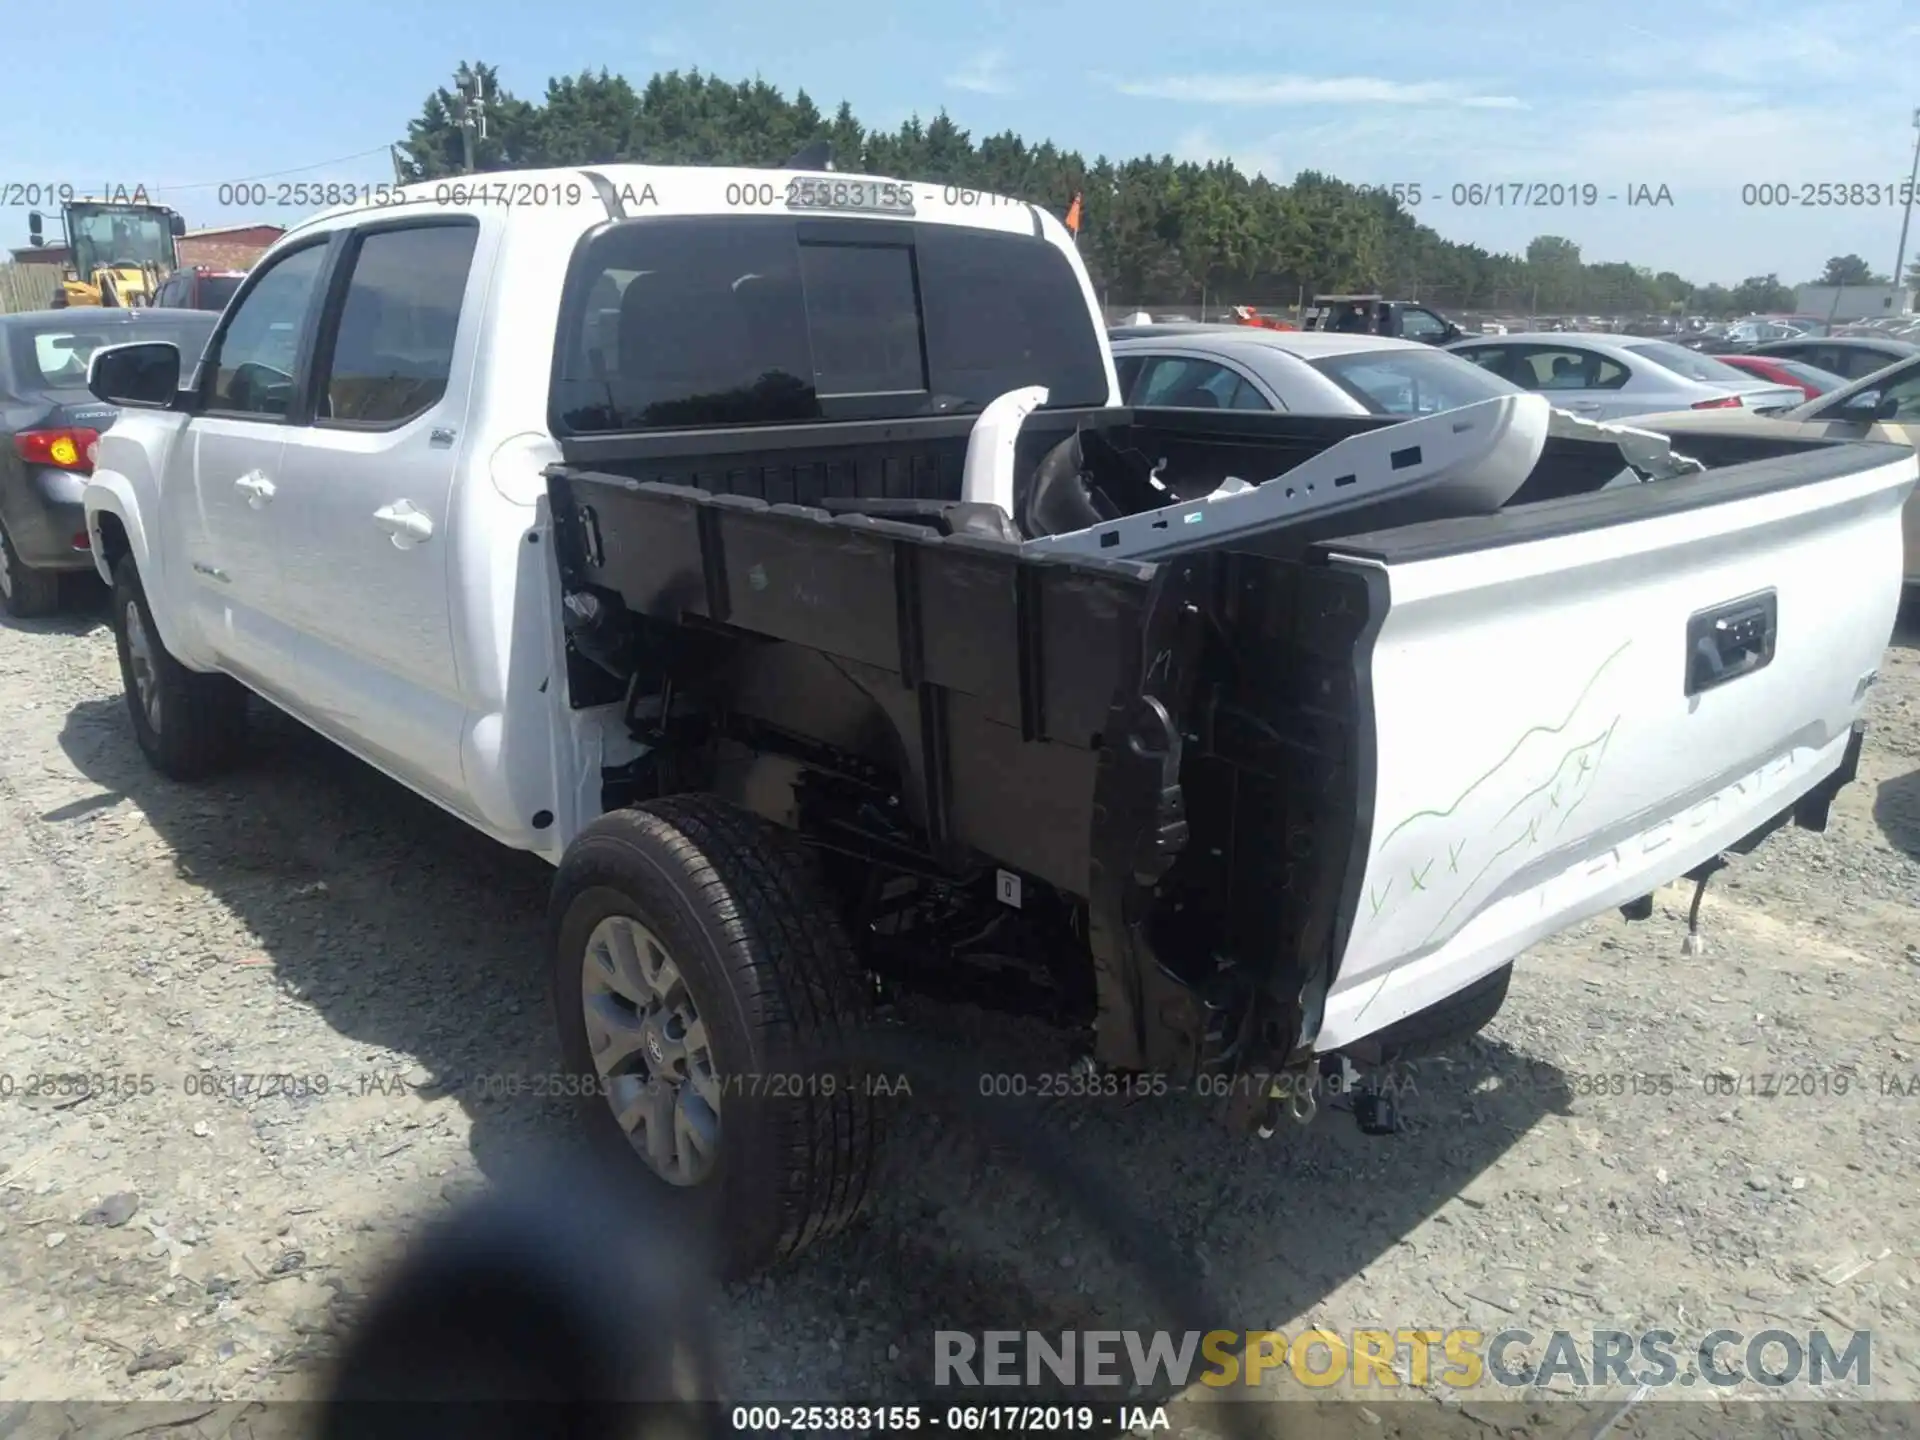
{"x": 26, "y": 287}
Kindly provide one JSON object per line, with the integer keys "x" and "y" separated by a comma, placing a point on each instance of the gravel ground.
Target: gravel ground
{"x": 304, "y": 916}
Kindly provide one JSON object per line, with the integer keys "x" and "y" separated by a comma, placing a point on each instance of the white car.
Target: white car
{"x": 1605, "y": 377}
{"x": 705, "y": 530}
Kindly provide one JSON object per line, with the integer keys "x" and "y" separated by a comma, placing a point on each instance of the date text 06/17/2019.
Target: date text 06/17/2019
{"x": 952, "y": 1419}
{"x": 1525, "y": 194}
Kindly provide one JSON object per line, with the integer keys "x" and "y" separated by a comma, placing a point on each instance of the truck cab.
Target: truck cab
{"x": 769, "y": 551}
{"x": 1374, "y": 315}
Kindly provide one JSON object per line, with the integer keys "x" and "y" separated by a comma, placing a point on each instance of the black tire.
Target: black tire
{"x": 198, "y": 726}
{"x": 737, "y": 905}
{"x": 1451, "y": 1022}
{"x": 25, "y": 592}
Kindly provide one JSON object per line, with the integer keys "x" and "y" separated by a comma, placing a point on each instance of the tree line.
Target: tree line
{"x": 1154, "y": 231}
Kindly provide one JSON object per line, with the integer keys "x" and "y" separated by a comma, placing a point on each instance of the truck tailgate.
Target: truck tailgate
{"x": 1569, "y": 709}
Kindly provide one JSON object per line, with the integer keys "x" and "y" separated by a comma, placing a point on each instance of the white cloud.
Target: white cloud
{"x": 1311, "y": 90}
{"x": 984, "y": 74}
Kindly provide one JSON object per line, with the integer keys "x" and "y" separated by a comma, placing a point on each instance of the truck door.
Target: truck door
{"x": 222, "y": 489}
{"x": 370, "y": 482}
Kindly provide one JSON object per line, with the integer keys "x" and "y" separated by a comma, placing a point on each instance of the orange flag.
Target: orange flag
{"x": 1073, "y": 215}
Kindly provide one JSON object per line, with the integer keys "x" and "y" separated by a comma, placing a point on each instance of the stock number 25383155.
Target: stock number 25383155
{"x": 1075, "y": 1084}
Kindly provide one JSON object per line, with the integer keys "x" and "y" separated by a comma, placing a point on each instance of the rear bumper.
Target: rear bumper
{"x": 1799, "y": 786}
{"x": 44, "y": 516}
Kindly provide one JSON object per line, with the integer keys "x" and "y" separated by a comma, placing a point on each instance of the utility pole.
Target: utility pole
{"x": 1906, "y": 210}
{"x": 473, "y": 112}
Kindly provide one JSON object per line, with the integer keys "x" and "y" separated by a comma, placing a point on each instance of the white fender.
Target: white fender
{"x": 988, "y": 476}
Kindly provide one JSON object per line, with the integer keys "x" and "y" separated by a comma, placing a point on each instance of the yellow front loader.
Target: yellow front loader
{"x": 118, "y": 251}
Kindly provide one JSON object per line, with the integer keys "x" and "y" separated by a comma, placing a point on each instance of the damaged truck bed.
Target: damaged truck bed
{"x": 1305, "y": 787}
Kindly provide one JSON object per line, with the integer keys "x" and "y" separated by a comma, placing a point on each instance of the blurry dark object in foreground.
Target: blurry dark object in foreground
{"x": 562, "y": 1305}
{"x": 575, "y": 1304}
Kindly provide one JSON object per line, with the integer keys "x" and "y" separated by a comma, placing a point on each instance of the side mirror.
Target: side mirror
{"x": 36, "y": 227}
{"x": 178, "y": 225}
{"x": 144, "y": 374}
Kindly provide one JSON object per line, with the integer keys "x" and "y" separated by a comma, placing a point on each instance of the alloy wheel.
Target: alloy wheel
{"x": 652, "y": 1051}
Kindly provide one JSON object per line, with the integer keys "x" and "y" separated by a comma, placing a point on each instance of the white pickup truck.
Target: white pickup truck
{"x": 769, "y": 551}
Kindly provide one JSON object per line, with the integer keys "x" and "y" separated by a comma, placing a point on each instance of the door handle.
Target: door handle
{"x": 407, "y": 525}
{"x": 256, "y": 487}
{"x": 1583, "y": 405}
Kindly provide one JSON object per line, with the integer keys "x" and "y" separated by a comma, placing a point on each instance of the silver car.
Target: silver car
{"x": 1308, "y": 372}
{"x": 1883, "y": 406}
{"x": 1604, "y": 377}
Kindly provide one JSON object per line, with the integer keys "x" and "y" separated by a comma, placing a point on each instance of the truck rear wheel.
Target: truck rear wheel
{"x": 703, "y": 984}
{"x": 188, "y": 724}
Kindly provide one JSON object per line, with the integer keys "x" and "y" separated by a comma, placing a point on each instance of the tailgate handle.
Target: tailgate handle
{"x": 1731, "y": 640}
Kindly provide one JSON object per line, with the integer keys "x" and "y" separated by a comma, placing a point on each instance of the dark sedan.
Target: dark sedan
{"x": 1851, "y": 356}
{"x": 48, "y": 425}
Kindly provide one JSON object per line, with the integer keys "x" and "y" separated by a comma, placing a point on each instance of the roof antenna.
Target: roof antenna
{"x": 816, "y": 156}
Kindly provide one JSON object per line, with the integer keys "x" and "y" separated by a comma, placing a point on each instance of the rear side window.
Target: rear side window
{"x": 1689, "y": 364}
{"x": 1192, "y": 384}
{"x": 696, "y": 321}
{"x": 391, "y": 349}
{"x": 215, "y": 291}
{"x": 52, "y": 353}
{"x": 1413, "y": 381}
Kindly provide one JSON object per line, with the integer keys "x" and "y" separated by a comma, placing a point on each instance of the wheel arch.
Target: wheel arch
{"x": 113, "y": 525}
{"x": 115, "y": 532}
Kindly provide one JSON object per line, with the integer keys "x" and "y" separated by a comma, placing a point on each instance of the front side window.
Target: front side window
{"x": 693, "y": 321}
{"x": 253, "y": 370}
{"x": 391, "y": 353}
{"x": 1900, "y": 399}
{"x": 1421, "y": 325}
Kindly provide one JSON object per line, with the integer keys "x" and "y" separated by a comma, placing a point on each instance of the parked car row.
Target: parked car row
{"x": 1871, "y": 393}
{"x": 1314, "y": 372}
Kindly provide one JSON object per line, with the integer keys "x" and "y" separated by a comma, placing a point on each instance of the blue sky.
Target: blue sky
{"x": 1702, "y": 96}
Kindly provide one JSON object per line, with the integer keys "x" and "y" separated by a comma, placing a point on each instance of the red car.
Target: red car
{"x": 198, "y": 287}
{"x": 1810, "y": 380}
